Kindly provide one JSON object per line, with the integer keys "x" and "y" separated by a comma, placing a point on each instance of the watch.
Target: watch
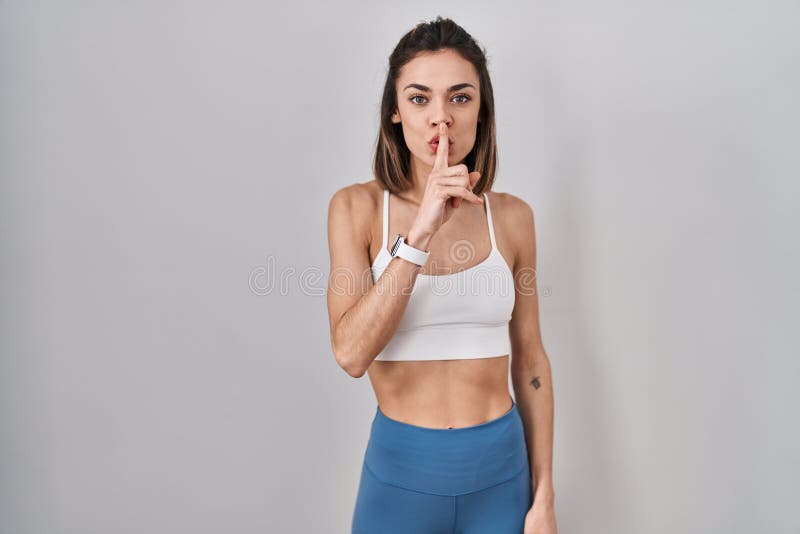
{"x": 407, "y": 252}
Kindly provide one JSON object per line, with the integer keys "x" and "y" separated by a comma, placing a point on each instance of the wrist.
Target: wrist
{"x": 544, "y": 493}
{"x": 418, "y": 239}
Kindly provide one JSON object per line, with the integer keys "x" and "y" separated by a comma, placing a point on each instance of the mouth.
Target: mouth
{"x": 435, "y": 140}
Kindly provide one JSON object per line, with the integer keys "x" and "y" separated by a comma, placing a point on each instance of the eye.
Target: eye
{"x": 466, "y": 98}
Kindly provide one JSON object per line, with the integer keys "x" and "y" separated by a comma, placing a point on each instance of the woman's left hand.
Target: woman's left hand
{"x": 540, "y": 519}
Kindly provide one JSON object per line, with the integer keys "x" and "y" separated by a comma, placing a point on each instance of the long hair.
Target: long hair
{"x": 392, "y": 164}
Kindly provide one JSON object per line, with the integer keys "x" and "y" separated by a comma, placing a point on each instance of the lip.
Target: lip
{"x": 435, "y": 147}
{"x": 435, "y": 139}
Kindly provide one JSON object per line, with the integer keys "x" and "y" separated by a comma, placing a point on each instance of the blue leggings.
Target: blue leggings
{"x": 419, "y": 480}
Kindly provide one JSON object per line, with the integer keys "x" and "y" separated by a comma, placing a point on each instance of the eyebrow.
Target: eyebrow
{"x": 427, "y": 89}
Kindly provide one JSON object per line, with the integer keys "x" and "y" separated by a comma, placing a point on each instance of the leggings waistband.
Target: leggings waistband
{"x": 447, "y": 461}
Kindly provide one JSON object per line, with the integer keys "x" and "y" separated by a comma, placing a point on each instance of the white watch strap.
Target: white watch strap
{"x": 414, "y": 255}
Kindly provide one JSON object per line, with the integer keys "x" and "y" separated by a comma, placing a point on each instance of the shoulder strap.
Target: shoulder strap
{"x": 489, "y": 219}
{"x": 385, "y": 217}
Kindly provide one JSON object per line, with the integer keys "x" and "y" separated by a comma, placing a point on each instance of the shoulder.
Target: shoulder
{"x": 510, "y": 210}
{"x": 515, "y": 217}
{"x": 357, "y": 198}
{"x": 355, "y": 206}
{"x": 357, "y": 195}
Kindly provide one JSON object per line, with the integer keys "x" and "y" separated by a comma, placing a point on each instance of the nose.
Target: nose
{"x": 440, "y": 114}
{"x": 435, "y": 122}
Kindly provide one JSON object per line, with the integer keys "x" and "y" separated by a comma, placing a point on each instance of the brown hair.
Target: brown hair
{"x": 392, "y": 158}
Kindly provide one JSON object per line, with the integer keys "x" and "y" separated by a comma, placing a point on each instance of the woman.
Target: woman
{"x": 449, "y": 449}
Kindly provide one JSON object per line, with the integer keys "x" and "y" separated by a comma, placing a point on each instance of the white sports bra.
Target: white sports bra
{"x": 456, "y": 316}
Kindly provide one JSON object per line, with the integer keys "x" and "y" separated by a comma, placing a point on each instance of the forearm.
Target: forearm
{"x": 370, "y": 323}
{"x": 533, "y": 392}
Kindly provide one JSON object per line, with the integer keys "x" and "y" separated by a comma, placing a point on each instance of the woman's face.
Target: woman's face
{"x": 435, "y": 87}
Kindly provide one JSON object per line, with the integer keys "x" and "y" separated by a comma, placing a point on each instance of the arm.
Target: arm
{"x": 363, "y": 315}
{"x": 530, "y": 366}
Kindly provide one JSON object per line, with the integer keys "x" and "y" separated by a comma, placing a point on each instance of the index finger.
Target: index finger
{"x": 443, "y": 150}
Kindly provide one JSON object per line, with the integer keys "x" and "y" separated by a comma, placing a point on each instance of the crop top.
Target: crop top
{"x": 456, "y": 316}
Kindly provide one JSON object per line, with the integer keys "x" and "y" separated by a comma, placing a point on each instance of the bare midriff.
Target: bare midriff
{"x": 442, "y": 393}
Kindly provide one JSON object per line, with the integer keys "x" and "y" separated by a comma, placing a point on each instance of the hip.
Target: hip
{"x": 445, "y": 461}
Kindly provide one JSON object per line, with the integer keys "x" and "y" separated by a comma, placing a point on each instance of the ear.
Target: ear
{"x": 395, "y": 117}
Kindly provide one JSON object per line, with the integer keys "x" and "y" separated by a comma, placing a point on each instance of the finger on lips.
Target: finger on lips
{"x": 441, "y": 163}
{"x": 442, "y": 151}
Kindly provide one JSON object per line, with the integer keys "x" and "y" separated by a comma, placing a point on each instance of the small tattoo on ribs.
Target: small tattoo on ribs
{"x": 535, "y": 383}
